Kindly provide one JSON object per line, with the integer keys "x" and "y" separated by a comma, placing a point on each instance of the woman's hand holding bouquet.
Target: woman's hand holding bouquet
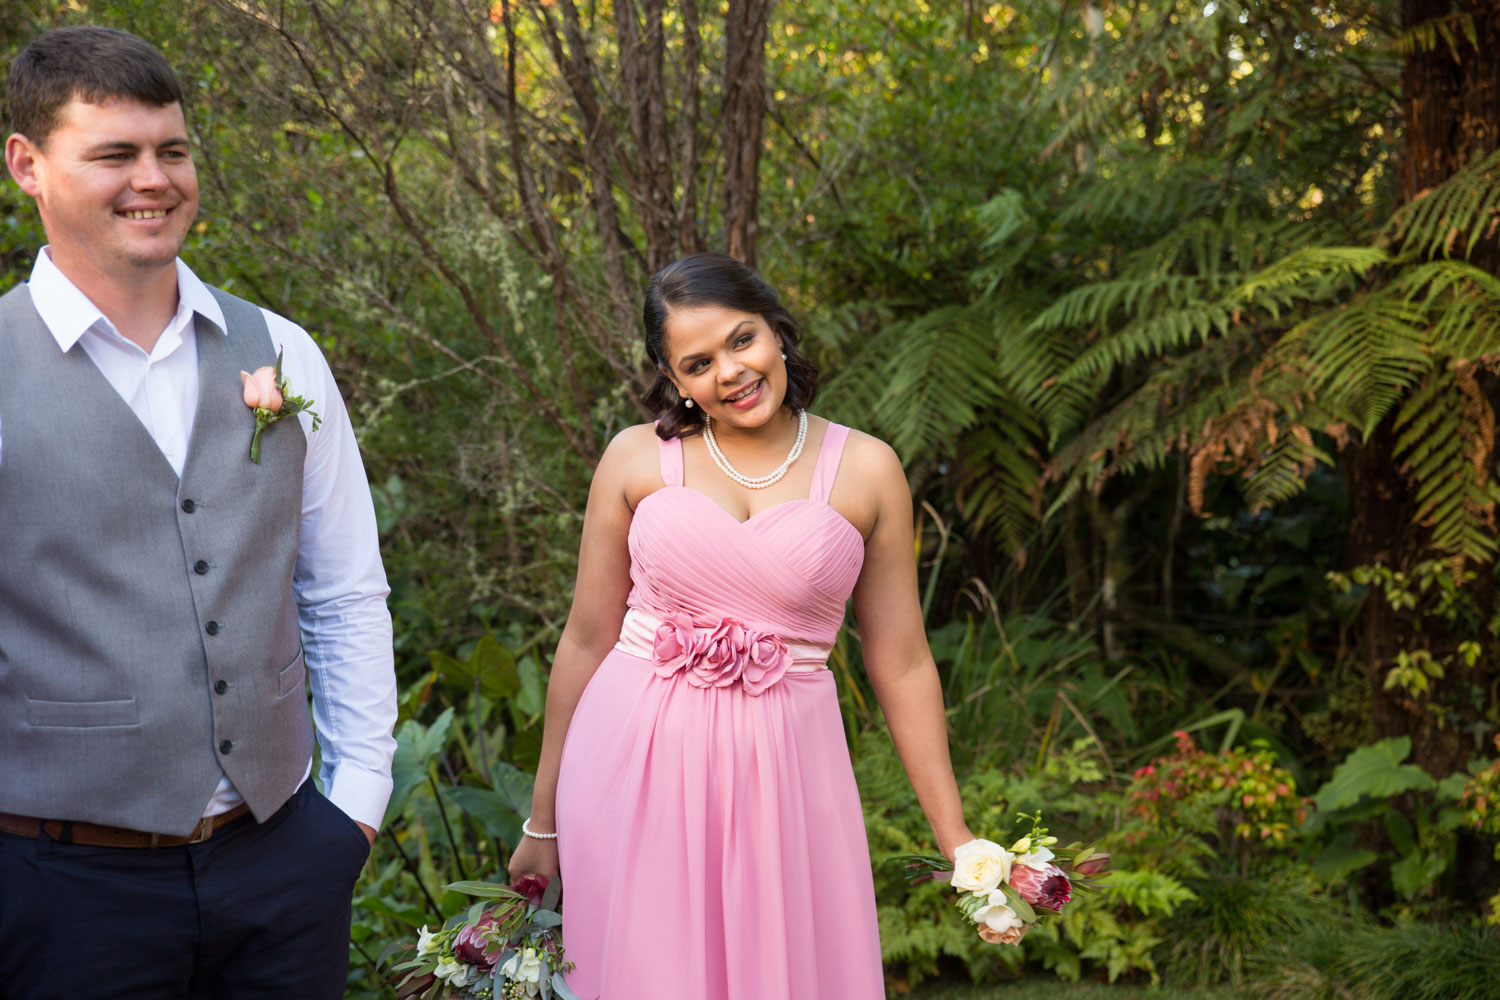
{"x": 1008, "y": 891}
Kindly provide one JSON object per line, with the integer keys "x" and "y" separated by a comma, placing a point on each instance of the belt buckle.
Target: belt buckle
{"x": 204, "y": 830}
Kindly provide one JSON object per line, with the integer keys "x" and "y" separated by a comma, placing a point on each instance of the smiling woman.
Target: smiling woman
{"x": 694, "y": 766}
{"x": 722, "y": 315}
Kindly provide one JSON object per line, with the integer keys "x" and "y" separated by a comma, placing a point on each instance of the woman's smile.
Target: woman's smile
{"x": 747, "y": 397}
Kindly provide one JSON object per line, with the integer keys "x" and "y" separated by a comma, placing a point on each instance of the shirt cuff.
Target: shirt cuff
{"x": 361, "y": 794}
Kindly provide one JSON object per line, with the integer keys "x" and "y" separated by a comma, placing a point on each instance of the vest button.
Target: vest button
{"x": 212, "y": 628}
{"x": 225, "y": 747}
{"x": 220, "y": 687}
{"x": 200, "y": 567}
{"x": 188, "y": 506}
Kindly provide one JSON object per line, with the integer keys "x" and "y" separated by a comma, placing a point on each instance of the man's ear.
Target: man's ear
{"x": 21, "y": 156}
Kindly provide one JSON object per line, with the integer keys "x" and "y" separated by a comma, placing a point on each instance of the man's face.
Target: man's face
{"x": 115, "y": 186}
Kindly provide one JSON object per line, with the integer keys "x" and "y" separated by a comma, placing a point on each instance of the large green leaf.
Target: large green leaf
{"x": 490, "y": 669}
{"x": 416, "y": 745}
{"x": 499, "y": 810}
{"x": 1340, "y": 860}
{"x": 1416, "y": 872}
{"x": 1374, "y": 771}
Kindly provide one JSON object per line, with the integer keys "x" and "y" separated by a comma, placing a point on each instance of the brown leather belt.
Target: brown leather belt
{"x": 95, "y": 835}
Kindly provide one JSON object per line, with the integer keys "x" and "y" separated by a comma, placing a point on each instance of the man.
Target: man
{"x": 164, "y": 598}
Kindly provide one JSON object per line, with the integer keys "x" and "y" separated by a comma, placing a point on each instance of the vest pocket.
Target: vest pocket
{"x": 291, "y": 676}
{"x": 81, "y": 714}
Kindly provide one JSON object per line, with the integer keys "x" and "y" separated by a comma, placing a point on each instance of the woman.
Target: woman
{"x": 693, "y": 764}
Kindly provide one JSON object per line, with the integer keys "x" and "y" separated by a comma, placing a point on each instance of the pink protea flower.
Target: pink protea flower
{"x": 1048, "y": 888}
{"x": 471, "y": 945}
{"x": 533, "y": 887}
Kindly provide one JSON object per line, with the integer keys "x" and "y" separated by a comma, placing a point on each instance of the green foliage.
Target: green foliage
{"x": 1375, "y": 771}
{"x": 465, "y": 752}
{"x": 1117, "y": 931}
{"x": 1373, "y": 784}
{"x": 1336, "y": 960}
{"x": 1241, "y": 796}
{"x": 1233, "y": 918}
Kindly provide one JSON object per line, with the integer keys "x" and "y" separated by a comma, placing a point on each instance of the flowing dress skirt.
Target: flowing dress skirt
{"x": 712, "y": 843}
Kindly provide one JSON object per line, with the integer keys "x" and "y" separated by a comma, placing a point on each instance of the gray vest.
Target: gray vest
{"x": 148, "y": 630}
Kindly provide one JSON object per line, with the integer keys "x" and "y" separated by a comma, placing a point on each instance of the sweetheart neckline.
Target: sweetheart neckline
{"x": 775, "y": 506}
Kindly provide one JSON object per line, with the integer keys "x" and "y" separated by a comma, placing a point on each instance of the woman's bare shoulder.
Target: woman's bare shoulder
{"x": 871, "y": 459}
{"x": 632, "y": 463}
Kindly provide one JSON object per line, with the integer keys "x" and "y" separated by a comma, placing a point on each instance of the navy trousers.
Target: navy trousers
{"x": 256, "y": 911}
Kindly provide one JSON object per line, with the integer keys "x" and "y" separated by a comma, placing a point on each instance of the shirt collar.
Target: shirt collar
{"x": 68, "y": 314}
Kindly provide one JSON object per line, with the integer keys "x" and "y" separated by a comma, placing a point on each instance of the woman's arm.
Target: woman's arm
{"x": 593, "y": 626}
{"x": 896, "y": 655}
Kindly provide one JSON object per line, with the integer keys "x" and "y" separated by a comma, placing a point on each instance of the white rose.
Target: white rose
{"x": 523, "y": 967}
{"x": 1037, "y": 860}
{"x": 424, "y": 941}
{"x": 530, "y": 970}
{"x": 996, "y": 914}
{"x": 454, "y": 973}
{"x": 980, "y": 865}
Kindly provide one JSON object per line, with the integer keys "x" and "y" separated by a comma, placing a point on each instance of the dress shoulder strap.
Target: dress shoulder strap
{"x": 829, "y": 454}
{"x": 670, "y": 450}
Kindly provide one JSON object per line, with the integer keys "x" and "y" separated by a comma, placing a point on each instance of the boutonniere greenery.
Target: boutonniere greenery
{"x": 266, "y": 393}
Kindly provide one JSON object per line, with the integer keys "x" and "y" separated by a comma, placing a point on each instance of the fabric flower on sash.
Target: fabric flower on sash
{"x": 674, "y": 645}
{"x": 717, "y": 656}
{"x": 767, "y": 659}
{"x": 723, "y": 657}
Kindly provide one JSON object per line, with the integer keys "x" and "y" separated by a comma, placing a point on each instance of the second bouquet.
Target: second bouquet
{"x": 1007, "y": 891}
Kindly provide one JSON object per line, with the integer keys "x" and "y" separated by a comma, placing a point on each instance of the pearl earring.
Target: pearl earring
{"x": 783, "y": 355}
{"x": 688, "y": 402}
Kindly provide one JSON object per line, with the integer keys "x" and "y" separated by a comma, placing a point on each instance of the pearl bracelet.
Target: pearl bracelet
{"x": 526, "y": 829}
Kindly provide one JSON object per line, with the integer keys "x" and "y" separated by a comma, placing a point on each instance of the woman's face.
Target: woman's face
{"x": 727, "y": 362}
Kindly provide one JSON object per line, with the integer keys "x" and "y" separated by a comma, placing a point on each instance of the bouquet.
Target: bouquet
{"x": 507, "y": 946}
{"x": 1007, "y": 892}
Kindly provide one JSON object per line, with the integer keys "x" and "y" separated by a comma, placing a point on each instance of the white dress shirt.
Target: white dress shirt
{"x": 339, "y": 581}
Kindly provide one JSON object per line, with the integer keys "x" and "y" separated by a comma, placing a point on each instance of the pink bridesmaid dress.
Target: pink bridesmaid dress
{"x": 711, "y": 839}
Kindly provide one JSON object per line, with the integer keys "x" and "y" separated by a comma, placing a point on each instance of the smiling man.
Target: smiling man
{"x": 164, "y": 598}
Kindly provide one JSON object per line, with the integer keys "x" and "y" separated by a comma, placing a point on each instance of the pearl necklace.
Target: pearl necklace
{"x": 758, "y": 482}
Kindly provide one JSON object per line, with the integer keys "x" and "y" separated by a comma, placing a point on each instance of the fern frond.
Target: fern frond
{"x": 1010, "y": 232}
{"x": 1445, "y": 441}
{"x": 1313, "y": 273}
{"x": 1446, "y": 29}
{"x": 1282, "y": 469}
{"x": 1463, "y": 209}
{"x": 1359, "y": 358}
{"x": 1000, "y": 493}
{"x": 937, "y": 378}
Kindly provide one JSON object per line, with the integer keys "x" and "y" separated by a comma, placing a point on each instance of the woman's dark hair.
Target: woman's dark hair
{"x": 715, "y": 279}
{"x": 90, "y": 63}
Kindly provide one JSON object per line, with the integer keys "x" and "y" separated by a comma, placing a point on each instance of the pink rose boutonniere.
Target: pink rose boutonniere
{"x": 267, "y": 394}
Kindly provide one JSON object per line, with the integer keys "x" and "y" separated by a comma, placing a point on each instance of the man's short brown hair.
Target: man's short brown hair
{"x": 90, "y": 63}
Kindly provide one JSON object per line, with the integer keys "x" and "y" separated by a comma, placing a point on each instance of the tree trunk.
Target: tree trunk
{"x": 1451, "y": 106}
{"x": 744, "y": 110}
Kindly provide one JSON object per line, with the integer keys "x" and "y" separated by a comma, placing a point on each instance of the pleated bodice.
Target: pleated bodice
{"x": 789, "y": 569}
